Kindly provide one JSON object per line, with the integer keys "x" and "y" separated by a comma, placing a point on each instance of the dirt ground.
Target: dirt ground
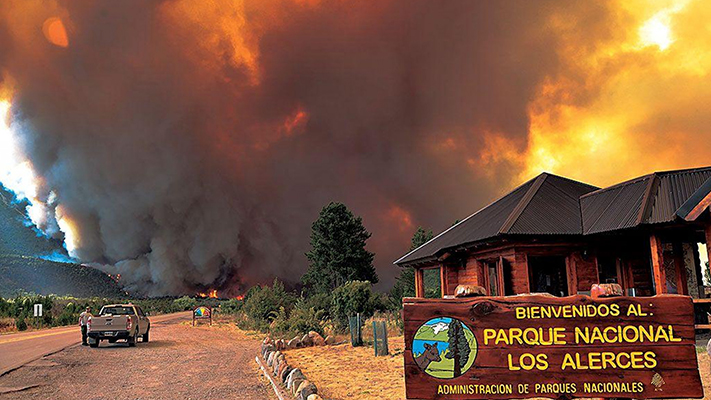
{"x": 180, "y": 362}
{"x": 375, "y": 378}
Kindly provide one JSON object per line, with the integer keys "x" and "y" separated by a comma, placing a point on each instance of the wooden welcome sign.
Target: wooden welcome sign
{"x": 539, "y": 346}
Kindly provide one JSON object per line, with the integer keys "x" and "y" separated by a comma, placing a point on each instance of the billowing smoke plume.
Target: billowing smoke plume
{"x": 189, "y": 145}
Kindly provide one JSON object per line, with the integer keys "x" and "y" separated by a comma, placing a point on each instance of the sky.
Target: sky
{"x": 189, "y": 145}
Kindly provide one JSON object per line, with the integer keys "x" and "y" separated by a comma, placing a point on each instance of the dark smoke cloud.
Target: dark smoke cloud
{"x": 173, "y": 159}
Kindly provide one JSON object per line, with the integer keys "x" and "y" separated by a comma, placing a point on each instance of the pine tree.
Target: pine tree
{"x": 458, "y": 346}
{"x": 338, "y": 253}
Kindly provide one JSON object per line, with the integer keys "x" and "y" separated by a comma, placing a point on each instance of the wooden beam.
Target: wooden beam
{"x": 443, "y": 283}
{"x": 699, "y": 209}
{"x": 657, "y": 253}
{"x": 419, "y": 282}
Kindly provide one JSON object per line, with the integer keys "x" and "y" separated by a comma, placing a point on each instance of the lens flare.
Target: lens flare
{"x": 55, "y": 32}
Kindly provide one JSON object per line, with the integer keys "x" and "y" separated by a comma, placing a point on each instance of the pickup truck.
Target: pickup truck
{"x": 118, "y": 322}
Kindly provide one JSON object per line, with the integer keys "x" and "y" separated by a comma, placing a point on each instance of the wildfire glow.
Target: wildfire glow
{"x": 401, "y": 218}
{"x": 209, "y": 294}
{"x": 622, "y": 106}
{"x": 16, "y": 171}
{"x": 68, "y": 227}
{"x": 656, "y": 31}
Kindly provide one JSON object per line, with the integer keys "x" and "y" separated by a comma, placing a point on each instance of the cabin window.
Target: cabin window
{"x": 607, "y": 268}
{"x": 493, "y": 278}
{"x": 548, "y": 275}
{"x": 433, "y": 288}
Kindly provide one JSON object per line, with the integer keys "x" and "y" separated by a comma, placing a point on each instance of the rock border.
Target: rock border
{"x": 285, "y": 375}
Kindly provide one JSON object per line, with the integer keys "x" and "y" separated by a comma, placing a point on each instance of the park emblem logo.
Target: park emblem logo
{"x": 444, "y": 347}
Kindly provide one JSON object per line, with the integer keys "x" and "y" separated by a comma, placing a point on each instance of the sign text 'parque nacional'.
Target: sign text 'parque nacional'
{"x": 540, "y": 346}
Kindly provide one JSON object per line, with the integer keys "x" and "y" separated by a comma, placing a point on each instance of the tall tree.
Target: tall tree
{"x": 458, "y": 346}
{"x": 405, "y": 283}
{"x": 338, "y": 251}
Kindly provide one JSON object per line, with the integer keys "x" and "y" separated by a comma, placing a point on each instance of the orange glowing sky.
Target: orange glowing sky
{"x": 625, "y": 106}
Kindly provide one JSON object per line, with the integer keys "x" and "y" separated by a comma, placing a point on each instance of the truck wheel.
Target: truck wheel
{"x": 132, "y": 340}
{"x": 145, "y": 337}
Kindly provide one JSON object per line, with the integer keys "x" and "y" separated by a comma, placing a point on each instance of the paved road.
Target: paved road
{"x": 180, "y": 362}
{"x": 18, "y": 349}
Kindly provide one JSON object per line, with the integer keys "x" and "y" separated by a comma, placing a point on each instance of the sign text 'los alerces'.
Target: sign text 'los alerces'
{"x": 540, "y": 346}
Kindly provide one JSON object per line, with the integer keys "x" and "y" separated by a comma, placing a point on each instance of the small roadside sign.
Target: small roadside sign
{"x": 38, "y": 310}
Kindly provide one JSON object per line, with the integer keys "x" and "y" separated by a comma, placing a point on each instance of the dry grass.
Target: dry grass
{"x": 344, "y": 372}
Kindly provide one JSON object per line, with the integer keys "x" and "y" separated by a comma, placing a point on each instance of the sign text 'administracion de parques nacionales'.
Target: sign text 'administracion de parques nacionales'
{"x": 541, "y": 346}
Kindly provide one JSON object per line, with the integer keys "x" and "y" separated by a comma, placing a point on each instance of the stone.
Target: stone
{"x": 294, "y": 374}
{"x": 305, "y": 390}
{"x": 330, "y": 340}
{"x": 314, "y": 397}
{"x": 469, "y": 291}
{"x": 316, "y": 339}
{"x": 280, "y": 345}
{"x": 605, "y": 290}
{"x": 295, "y": 385}
{"x": 306, "y": 341}
{"x": 280, "y": 360}
{"x": 268, "y": 349}
{"x": 284, "y": 373}
{"x": 272, "y": 358}
{"x": 293, "y": 343}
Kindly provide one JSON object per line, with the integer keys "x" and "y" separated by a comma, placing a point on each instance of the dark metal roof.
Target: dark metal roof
{"x": 547, "y": 204}
{"x": 674, "y": 190}
{"x": 614, "y": 208}
{"x": 651, "y": 199}
{"x": 553, "y": 205}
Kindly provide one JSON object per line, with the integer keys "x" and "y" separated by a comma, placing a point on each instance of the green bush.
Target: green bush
{"x": 320, "y": 302}
{"x": 20, "y": 324}
{"x": 232, "y": 306}
{"x": 263, "y": 303}
{"x": 184, "y": 303}
{"x": 352, "y": 298}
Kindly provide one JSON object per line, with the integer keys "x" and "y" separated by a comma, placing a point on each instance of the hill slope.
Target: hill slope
{"x": 30, "y": 274}
{"x": 22, "y": 269}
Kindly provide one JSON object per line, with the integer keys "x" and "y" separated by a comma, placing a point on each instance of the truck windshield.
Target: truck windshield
{"x": 117, "y": 311}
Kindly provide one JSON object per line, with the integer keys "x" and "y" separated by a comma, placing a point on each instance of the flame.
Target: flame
{"x": 209, "y": 294}
{"x": 239, "y": 297}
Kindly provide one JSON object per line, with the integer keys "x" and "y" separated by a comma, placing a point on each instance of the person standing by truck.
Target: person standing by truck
{"x": 83, "y": 321}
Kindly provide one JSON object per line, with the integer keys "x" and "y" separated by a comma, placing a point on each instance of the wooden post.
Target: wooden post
{"x": 660, "y": 277}
{"x": 443, "y": 284}
{"x": 419, "y": 282}
{"x": 572, "y": 275}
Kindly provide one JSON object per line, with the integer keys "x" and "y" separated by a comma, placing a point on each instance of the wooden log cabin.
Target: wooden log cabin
{"x": 560, "y": 236}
